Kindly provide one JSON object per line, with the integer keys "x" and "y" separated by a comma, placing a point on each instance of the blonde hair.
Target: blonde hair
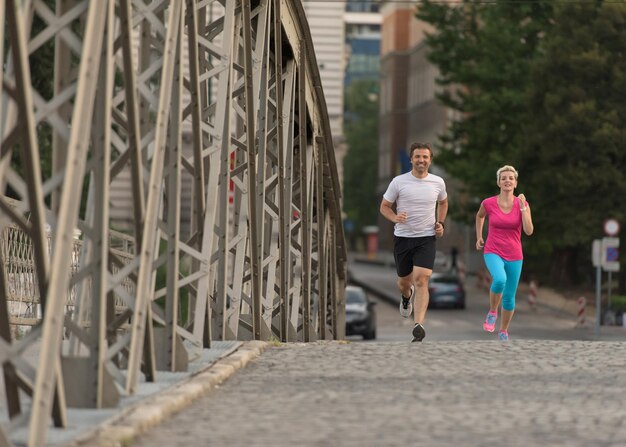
{"x": 505, "y": 168}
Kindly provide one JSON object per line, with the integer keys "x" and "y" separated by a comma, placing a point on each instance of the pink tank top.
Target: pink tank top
{"x": 504, "y": 231}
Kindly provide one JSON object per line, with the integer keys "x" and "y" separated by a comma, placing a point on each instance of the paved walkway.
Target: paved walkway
{"x": 525, "y": 393}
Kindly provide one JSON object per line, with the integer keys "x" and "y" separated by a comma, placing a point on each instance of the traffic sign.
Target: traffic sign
{"x": 610, "y": 254}
{"x": 611, "y": 227}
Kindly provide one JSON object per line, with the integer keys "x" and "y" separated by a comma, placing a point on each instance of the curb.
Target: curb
{"x": 132, "y": 422}
{"x": 374, "y": 291}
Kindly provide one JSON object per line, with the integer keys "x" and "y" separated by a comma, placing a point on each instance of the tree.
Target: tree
{"x": 360, "y": 165}
{"x": 575, "y": 158}
{"x": 539, "y": 85}
{"x": 483, "y": 53}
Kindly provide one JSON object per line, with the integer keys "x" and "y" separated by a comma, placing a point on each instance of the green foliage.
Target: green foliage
{"x": 360, "y": 165}
{"x": 41, "y": 64}
{"x": 541, "y": 86}
{"x": 483, "y": 52}
{"x": 576, "y": 122}
{"x": 575, "y": 160}
{"x": 618, "y": 302}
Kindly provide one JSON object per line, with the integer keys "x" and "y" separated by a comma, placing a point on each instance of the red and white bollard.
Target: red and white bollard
{"x": 582, "y": 310}
{"x": 532, "y": 295}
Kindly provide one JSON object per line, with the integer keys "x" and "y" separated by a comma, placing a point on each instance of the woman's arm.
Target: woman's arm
{"x": 480, "y": 221}
{"x": 527, "y": 219}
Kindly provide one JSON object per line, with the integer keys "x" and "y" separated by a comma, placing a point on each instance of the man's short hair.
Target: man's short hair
{"x": 418, "y": 145}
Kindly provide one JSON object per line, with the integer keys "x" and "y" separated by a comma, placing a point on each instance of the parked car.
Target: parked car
{"x": 446, "y": 290}
{"x": 360, "y": 313}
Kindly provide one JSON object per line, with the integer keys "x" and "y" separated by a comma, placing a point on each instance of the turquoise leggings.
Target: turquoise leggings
{"x": 504, "y": 278}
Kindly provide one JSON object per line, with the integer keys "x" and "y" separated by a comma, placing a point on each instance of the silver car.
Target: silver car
{"x": 360, "y": 313}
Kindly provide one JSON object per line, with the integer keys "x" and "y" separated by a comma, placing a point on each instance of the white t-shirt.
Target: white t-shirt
{"x": 417, "y": 197}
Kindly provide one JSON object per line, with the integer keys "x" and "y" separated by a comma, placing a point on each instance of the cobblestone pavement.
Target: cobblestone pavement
{"x": 477, "y": 393}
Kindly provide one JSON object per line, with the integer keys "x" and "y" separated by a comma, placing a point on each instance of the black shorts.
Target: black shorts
{"x": 414, "y": 251}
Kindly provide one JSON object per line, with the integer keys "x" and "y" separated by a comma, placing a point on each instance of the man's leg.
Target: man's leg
{"x": 421, "y": 277}
{"x": 406, "y": 289}
{"x": 404, "y": 285}
{"x": 423, "y": 262}
{"x": 404, "y": 268}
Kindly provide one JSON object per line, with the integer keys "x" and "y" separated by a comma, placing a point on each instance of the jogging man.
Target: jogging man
{"x": 421, "y": 208}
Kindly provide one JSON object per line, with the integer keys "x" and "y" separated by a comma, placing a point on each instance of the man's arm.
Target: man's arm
{"x": 387, "y": 212}
{"x": 442, "y": 210}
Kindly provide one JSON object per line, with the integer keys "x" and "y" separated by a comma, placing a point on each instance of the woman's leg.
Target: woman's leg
{"x": 495, "y": 265}
{"x": 513, "y": 271}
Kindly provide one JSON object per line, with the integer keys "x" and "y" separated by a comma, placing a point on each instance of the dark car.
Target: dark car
{"x": 360, "y": 313}
{"x": 446, "y": 290}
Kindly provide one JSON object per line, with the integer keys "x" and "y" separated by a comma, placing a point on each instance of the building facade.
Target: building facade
{"x": 328, "y": 33}
{"x": 409, "y": 110}
{"x": 362, "y": 24}
{"x": 346, "y": 37}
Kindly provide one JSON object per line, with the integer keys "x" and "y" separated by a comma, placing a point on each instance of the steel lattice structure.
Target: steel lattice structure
{"x": 265, "y": 255}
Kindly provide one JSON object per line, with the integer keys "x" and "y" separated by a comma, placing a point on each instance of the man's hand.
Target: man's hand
{"x": 438, "y": 229}
{"x": 400, "y": 217}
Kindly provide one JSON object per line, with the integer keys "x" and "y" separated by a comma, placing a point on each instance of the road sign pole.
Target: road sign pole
{"x": 598, "y": 303}
{"x": 608, "y": 298}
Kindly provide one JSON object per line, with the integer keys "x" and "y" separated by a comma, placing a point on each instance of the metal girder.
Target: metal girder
{"x": 147, "y": 97}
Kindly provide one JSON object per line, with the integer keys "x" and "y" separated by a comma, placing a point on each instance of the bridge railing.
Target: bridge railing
{"x": 17, "y": 260}
{"x": 100, "y": 94}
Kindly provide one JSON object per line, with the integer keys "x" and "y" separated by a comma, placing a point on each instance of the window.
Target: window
{"x": 361, "y": 6}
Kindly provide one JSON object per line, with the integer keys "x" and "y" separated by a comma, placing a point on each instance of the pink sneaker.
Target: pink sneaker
{"x": 490, "y": 322}
{"x": 503, "y": 335}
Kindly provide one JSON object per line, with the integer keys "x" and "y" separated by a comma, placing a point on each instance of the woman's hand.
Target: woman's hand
{"x": 527, "y": 220}
{"x": 522, "y": 202}
{"x": 480, "y": 243}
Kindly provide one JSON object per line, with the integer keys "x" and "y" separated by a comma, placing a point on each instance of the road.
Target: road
{"x": 460, "y": 387}
{"x": 544, "y": 323}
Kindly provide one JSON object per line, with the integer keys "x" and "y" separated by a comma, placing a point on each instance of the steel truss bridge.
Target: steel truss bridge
{"x": 225, "y": 94}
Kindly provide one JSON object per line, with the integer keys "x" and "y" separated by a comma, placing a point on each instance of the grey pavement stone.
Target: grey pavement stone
{"x": 136, "y": 419}
{"x": 521, "y": 393}
{"x": 150, "y": 404}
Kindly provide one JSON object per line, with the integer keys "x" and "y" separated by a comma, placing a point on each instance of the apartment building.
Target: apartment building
{"x": 409, "y": 110}
{"x": 328, "y": 33}
{"x": 346, "y": 38}
{"x": 362, "y": 24}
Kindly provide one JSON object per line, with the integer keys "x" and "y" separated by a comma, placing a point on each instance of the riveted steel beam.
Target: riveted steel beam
{"x": 192, "y": 187}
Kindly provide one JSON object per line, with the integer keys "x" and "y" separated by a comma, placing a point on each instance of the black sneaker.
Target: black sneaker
{"x": 406, "y": 305}
{"x": 418, "y": 332}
